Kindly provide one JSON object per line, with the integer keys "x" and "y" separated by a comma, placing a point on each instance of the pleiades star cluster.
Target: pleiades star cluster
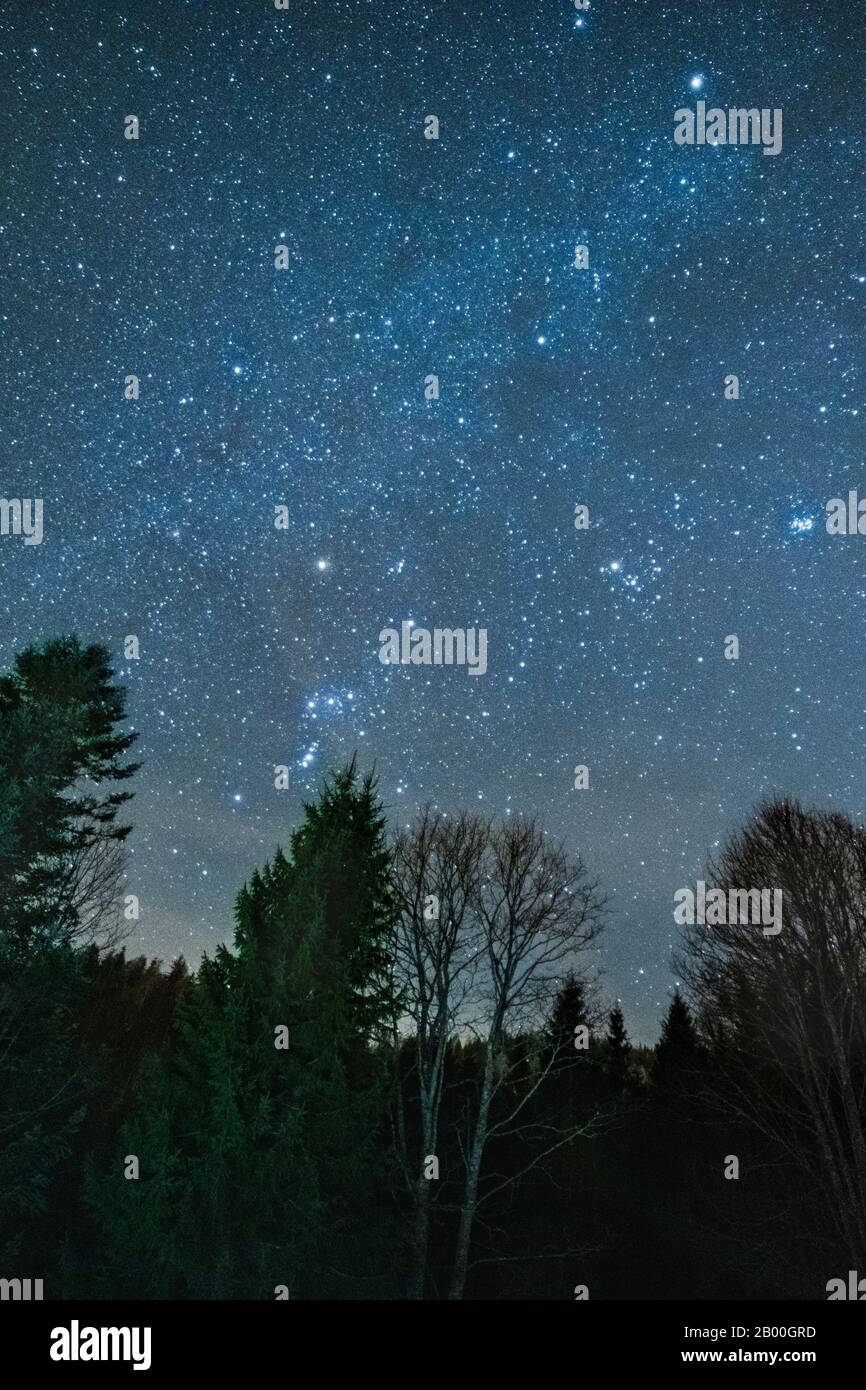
{"x": 559, "y": 387}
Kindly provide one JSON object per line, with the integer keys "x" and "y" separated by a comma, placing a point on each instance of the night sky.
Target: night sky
{"x": 559, "y": 386}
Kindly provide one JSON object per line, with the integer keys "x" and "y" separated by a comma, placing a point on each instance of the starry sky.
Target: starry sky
{"x": 559, "y": 386}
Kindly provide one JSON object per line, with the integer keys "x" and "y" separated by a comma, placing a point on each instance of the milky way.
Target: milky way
{"x": 305, "y": 389}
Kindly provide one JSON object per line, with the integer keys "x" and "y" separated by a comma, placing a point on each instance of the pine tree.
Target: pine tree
{"x": 59, "y": 713}
{"x": 59, "y": 842}
{"x": 617, "y": 1049}
{"x": 261, "y": 1164}
{"x": 679, "y": 1050}
{"x": 569, "y": 1013}
{"x": 43, "y": 1095}
{"x": 222, "y": 1204}
{"x": 325, "y": 917}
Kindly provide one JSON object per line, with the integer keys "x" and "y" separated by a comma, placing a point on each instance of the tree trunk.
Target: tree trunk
{"x": 420, "y": 1238}
{"x": 464, "y": 1234}
{"x": 470, "y": 1196}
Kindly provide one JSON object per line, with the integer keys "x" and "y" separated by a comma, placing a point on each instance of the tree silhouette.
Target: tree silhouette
{"x": 59, "y": 840}
{"x": 679, "y": 1050}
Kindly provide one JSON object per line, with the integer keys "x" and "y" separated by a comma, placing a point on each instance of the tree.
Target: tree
{"x": 535, "y": 907}
{"x": 43, "y": 1092}
{"x": 679, "y": 1052}
{"x": 332, "y": 905}
{"x": 617, "y": 1048}
{"x": 569, "y": 1014}
{"x": 577, "y": 1089}
{"x": 785, "y": 1013}
{"x": 125, "y": 1012}
{"x": 437, "y": 873}
{"x": 60, "y": 861}
{"x": 261, "y": 1137}
{"x": 488, "y": 914}
{"x": 59, "y": 838}
{"x": 223, "y": 1201}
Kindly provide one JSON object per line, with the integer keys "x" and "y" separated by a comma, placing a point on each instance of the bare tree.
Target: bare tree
{"x": 787, "y": 1012}
{"x": 535, "y": 909}
{"x": 80, "y": 896}
{"x": 89, "y": 891}
{"x": 437, "y": 870}
{"x": 491, "y": 916}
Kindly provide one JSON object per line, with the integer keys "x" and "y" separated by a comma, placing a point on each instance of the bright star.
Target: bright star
{"x": 697, "y": 82}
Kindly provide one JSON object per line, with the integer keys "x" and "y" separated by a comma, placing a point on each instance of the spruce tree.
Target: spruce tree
{"x": 261, "y": 1164}
{"x": 617, "y": 1048}
{"x": 324, "y": 916}
{"x": 43, "y": 1098}
{"x": 219, "y": 1209}
{"x": 679, "y": 1050}
{"x": 59, "y": 717}
{"x": 569, "y": 1013}
{"x": 59, "y": 740}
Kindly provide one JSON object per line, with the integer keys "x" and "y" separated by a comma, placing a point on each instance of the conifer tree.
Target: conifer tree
{"x": 569, "y": 1013}
{"x": 59, "y": 866}
{"x": 219, "y": 1161}
{"x": 679, "y": 1050}
{"x": 43, "y": 1093}
{"x": 323, "y": 917}
{"x": 617, "y": 1048}
{"x": 59, "y": 712}
{"x": 261, "y": 1163}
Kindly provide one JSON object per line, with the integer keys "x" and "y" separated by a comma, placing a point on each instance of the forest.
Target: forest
{"x": 402, "y": 1079}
